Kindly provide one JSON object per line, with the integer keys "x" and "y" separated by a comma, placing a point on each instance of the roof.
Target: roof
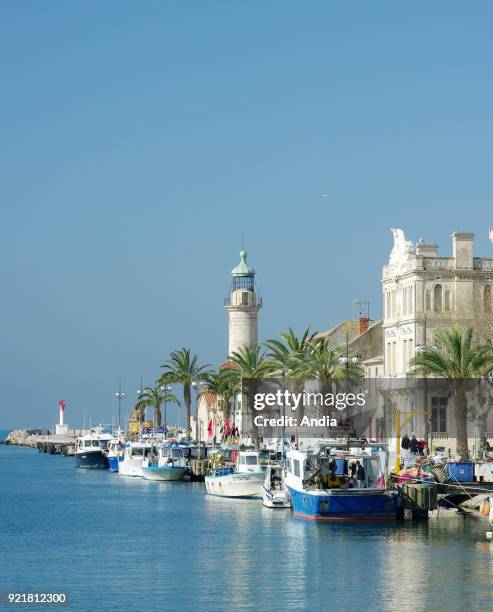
{"x": 243, "y": 269}
{"x": 372, "y": 360}
{"x": 346, "y": 329}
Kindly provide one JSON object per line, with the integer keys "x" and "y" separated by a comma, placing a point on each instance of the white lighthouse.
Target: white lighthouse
{"x": 61, "y": 428}
{"x": 242, "y": 305}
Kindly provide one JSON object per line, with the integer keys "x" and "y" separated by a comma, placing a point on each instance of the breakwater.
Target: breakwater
{"x": 44, "y": 441}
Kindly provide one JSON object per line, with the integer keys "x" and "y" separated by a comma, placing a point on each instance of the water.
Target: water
{"x": 119, "y": 543}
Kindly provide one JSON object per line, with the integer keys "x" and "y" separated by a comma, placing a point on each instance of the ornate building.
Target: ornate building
{"x": 423, "y": 292}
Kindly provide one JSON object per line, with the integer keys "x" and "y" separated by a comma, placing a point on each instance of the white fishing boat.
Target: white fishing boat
{"x": 274, "y": 491}
{"x": 243, "y": 481}
{"x": 90, "y": 450}
{"x": 168, "y": 463}
{"x": 133, "y": 455}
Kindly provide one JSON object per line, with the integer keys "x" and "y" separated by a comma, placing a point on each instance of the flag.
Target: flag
{"x": 209, "y": 428}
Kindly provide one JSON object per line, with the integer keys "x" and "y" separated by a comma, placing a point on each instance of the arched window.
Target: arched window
{"x": 448, "y": 304}
{"x": 437, "y": 298}
{"x": 428, "y": 299}
{"x": 487, "y": 298}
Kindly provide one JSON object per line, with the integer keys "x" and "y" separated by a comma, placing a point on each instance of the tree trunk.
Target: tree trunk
{"x": 187, "y": 398}
{"x": 461, "y": 423}
{"x": 157, "y": 416}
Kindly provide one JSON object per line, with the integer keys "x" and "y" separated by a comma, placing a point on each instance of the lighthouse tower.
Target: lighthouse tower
{"x": 242, "y": 305}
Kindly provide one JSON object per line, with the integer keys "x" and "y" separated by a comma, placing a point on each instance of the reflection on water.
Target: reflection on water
{"x": 115, "y": 542}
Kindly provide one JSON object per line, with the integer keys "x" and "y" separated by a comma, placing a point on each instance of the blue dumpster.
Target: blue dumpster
{"x": 461, "y": 471}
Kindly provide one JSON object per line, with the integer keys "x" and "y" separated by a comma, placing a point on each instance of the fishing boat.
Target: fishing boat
{"x": 245, "y": 480}
{"x": 133, "y": 455}
{"x": 115, "y": 453}
{"x": 90, "y": 450}
{"x": 321, "y": 488}
{"x": 168, "y": 463}
{"x": 274, "y": 491}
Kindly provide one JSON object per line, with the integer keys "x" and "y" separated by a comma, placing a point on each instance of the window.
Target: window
{"x": 448, "y": 305}
{"x": 428, "y": 300}
{"x": 439, "y": 414}
{"x": 410, "y": 300}
{"x": 437, "y": 298}
{"x": 296, "y": 467}
{"x": 244, "y": 298}
{"x": 487, "y": 298}
{"x": 251, "y": 460}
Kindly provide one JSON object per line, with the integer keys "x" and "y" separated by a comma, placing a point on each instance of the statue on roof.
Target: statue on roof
{"x": 402, "y": 251}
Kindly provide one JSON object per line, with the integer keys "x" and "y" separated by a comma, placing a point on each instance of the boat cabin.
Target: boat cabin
{"x": 248, "y": 461}
{"x": 328, "y": 467}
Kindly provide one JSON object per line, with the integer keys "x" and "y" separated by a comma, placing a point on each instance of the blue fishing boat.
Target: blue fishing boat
{"x": 323, "y": 485}
{"x": 114, "y": 453}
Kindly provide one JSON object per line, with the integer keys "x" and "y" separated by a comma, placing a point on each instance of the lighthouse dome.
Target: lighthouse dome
{"x": 243, "y": 269}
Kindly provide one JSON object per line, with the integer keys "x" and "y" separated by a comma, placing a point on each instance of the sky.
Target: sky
{"x": 144, "y": 142}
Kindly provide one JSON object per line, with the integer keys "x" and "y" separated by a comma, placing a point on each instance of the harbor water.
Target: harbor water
{"x": 117, "y": 543}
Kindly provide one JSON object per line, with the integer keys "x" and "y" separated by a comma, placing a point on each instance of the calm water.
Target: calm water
{"x": 120, "y": 543}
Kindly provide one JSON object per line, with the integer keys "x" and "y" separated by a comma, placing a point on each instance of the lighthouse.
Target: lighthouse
{"x": 61, "y": 428}
{"x": 242, "y": 305}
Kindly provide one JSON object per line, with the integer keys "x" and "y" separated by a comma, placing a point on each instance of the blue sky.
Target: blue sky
{"x": 141, "y": 140}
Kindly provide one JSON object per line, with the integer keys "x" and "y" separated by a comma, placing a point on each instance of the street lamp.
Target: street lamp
{"x": 197, "y": 432}
{"x": 165, "y": 389}
{"x": 120, "y": 395}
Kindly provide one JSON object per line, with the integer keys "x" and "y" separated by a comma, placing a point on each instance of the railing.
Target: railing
{"x": 483, "y": 264}
{"x": 257, "y": 302}
{"x": 438, "y": 263}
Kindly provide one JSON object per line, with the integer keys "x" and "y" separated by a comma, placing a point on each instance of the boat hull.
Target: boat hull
{"x": 130, "y": 470}
{"x": 166, "y": 473}
{"x": 347, "y": 505}
{"x": 275, "y": 499}
{"x": 246, "y": 485}
{"x": 92, "y": 460}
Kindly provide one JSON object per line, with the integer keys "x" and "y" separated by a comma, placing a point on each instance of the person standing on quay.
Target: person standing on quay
{"x": 405, "y": 442}
{"x": 413, "y": 445}
{"x": 360, "y": 475}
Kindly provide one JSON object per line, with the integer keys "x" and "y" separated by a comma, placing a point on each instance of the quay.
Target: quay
{"x": 44, "y": 441}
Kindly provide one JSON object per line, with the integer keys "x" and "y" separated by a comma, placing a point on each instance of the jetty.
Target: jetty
{"x": 44, "y": 441}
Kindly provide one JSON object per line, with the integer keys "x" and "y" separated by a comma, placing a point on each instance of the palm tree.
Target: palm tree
{"x": 323, "y": 363}
{"x": 287, "y": 359}
{"x": 458, "y": 360}
{"x": 286, "y": 355}
{"x": 154, "y": 396}
{"x": 223, "y": 384}
{"x": 251, "y": 362}
{"x": 183, "y": 368}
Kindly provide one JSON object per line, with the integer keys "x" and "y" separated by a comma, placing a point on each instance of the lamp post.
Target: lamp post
{"x": 345, "y": 361}
{"x": 165, "y": 389}
{"x": 120, "y": 395}
{"x": 197, "y": 428}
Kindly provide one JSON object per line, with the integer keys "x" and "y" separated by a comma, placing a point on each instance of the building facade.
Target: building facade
{"x": 422, "y": 293}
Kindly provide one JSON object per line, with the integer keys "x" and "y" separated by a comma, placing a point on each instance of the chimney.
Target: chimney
{"x": 363, "y": 325}
{"x": 426, "y": 249}
{"x": 462, "y": 243}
